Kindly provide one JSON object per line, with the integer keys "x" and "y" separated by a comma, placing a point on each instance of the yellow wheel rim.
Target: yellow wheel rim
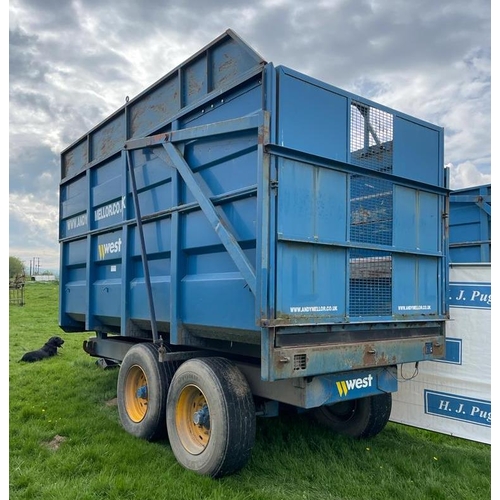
{"x": 136, "y": 394}
{"x": 192, "y": 419}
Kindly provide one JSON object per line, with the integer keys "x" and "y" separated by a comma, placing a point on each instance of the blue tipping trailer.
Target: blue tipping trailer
{"x": 470, "y": 224}
{"x": 241, "y": 235}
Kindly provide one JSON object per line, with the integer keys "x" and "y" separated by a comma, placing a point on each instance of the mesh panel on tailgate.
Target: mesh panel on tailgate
{"x": 371, "y": 212}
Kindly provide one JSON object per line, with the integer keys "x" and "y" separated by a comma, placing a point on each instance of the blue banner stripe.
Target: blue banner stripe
{"x": 455, "y": 407}
{"x": 453, "y": 352}
{"x": 470, "y": 295}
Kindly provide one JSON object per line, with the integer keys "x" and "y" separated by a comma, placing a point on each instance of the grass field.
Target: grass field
{"x": 66, "y": 441}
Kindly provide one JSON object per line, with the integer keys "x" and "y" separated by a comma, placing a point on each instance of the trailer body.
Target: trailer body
{"x": 246, "y": 211}
{"x": 470, "y": 224}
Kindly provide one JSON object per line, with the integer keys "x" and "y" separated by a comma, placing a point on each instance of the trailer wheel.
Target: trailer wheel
{"x": 210, "y": 417}
{"x": 359, "y": 418}
{"x": 142, "y": 389}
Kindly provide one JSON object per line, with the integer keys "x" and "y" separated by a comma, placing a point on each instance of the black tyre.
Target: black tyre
{"x": 359, "y": 418}
{"x": 210, "y": 417}
{"x": 142, "y": 392}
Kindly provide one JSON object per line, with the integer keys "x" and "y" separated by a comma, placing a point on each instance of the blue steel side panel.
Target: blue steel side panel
{"x": 418, "y": 220}
{"x": 160, "y": 103}
{"x": 311, "y": 119}
{"x": 249, "y": 100}
{"x": 158, "y": 237}
{"x": 228, "y": 60}
{"x": 220, "y": 176}
{"x": 219, "y": 66}
{"x": 213, "y": 292}
{"x": 418, "y": 152}
{"x": 217, "y": 300}
{"x": 196, "y": 81}
{"x": 107, "y": 200}
{"x": 210, "y": 292}
{"x": 470, "y": 224}
{"x": 315, "y": 201}
{"x": 470, "y": 254}
{"x": 106, "y": 259}
{"x": 73, "y": 216}
{"x": 416, "y": 285}
{"x": 74, "y": 159}
{"x": 360, "y": 235}
{"x": 104, "y": 140}
{"x": 154, "y": 185}
{"x": 311, "y": 281}
{"x": 73, "y": 302}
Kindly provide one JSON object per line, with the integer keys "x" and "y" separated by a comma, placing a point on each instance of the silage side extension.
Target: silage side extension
{"x": 241, "y": 235}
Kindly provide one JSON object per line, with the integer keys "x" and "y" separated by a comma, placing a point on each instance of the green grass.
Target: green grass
{"x": 66, "y": 441}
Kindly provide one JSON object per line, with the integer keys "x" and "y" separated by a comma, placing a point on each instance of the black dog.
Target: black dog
{"x": 48, "y": 350}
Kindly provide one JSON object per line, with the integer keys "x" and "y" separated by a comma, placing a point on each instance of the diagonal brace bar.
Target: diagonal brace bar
{"x": 208, "y": 130}
{"x": 484, "y": 206}
{"x": 216, "y": 219}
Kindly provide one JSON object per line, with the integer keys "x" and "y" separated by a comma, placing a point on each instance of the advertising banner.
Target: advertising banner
{"x": 453, "y": 395}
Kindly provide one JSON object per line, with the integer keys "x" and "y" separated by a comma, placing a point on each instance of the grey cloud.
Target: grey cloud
{"x": 72, "y": 63}
{"x": 23, "y": 62}
{"x": 26, "y": 100}
{"x": 48, "y": 16}
{"x": 353, "y": 40}
{"x": 27, "y": 168}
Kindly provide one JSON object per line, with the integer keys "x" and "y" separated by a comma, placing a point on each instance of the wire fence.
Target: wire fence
{"x": 16, "y": 291}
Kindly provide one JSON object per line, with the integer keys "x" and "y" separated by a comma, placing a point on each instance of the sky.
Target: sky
{"x": 72, "y": 63}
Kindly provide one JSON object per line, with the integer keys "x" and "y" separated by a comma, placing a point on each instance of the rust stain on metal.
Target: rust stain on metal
{"x": 107, "y": 142}
{"x": 138, "y": 116}
{"x": 226, "y": 64}
{"x": 193, "y": 85}
{"x": 263, "y": 134}
{"x": 135, "y": 115}
{"x": 160, "y": 108}
{"x": 438, "y": 349}
{"x": 284, "y": 319}
{"x": 227, "y": 69}
{"x": 68, "y": 162}
{"x": 407, "y": 317}
{"x": 373, "y": 358}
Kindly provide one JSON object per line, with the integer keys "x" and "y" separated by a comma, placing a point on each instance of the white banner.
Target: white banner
{"x": 453, "y": 396}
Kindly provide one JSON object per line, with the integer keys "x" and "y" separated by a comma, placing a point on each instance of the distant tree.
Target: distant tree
{"x": 16, "y": 267}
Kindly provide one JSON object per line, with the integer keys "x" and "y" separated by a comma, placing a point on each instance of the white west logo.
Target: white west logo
{"x": 111, "y": 247}
{"x": 344, "y": 386}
